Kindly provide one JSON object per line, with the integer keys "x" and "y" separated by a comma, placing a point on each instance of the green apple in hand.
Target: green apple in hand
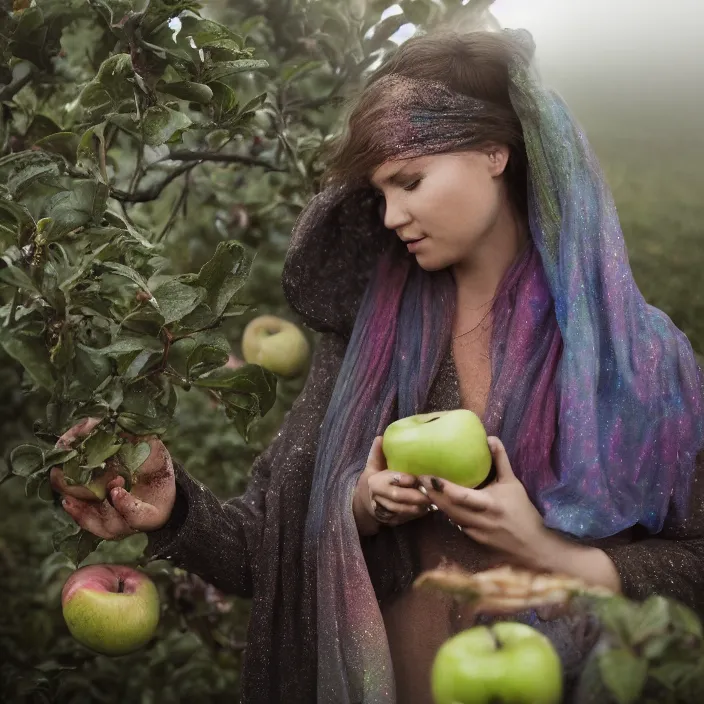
{"x": 447, "y": 444}
{"x": 508, "y": 662}
{"x": 112, "y": 609}
{"x": 275, "y": 344}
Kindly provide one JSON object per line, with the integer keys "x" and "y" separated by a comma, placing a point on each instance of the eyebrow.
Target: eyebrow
{"x": 393, "y": 179}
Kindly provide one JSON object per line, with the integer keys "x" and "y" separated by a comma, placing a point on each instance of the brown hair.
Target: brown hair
{"x": 475, "y": 64}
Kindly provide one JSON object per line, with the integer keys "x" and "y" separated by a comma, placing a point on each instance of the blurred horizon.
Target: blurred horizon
{"x": 625, "y": 67}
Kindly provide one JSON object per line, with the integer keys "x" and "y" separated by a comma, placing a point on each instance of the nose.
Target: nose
{"x": 392, "y": 214}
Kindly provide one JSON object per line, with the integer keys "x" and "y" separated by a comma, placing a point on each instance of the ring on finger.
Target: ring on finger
{"x": 381, "y": 512}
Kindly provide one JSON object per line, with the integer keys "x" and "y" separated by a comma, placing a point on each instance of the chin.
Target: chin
{"x": 428, "y": 263}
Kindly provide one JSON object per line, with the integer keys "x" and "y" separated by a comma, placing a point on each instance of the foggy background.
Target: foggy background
{"x": 624, "y": 66}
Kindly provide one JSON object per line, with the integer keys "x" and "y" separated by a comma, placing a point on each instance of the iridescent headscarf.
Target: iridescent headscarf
{"x": 595, "y": 394}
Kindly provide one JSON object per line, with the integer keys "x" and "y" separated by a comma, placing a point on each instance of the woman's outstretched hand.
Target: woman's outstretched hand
{"x": 147, "y": 506}
{"x": 500, "y": 516}
{"x": 385, "y": 497}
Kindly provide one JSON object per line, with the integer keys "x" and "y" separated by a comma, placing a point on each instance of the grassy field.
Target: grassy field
{"x": 658, "y": 185}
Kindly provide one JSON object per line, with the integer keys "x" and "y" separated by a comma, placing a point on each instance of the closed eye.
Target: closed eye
{"x": 411, "y": 186}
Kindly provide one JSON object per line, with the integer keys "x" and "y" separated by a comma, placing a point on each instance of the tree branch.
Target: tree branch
{"x": 154, "y": 192}
{"x": 11, "y": 89}
{"x": 224, "y": 158}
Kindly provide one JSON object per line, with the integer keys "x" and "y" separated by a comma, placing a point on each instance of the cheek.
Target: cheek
{"x": 470, "y": 210}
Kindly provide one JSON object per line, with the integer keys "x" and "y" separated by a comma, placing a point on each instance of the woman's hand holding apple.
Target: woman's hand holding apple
{"x": 383, "y": 496}
{"x": 146, "y": 506}
{"x": 500, "y": 515}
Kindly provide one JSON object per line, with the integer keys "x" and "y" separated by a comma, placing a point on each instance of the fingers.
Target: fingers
{"x": 390, "y": 512}
{"x": 504, "y": 471}
{"x": 79, "y": 430}
{"x": 404, "y": 480}
{"x": 117, "y": 482}
{"x": 137, "y": 514}
{"x": 376, "y": 462}
{"x": 99, "y": 519}
{"x": 398, "y": 495}
{"x": 447, "y": 494}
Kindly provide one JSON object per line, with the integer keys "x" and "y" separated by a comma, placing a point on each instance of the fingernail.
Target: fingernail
{"x": 395, "y": 479}
{"x": 436, "y": 484}
{"x": 64, "y": 503}
{"x": 422, "y": 489}
{"x": 433, "y": 507}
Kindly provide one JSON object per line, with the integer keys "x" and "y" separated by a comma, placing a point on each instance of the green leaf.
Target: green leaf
{"x": 134, "y": 456}
{"x": 177, "y": 299}
{"x": 160, "y": 123}
{"x": 57, "y": 456}
{"x": 63, "y": 143}
{"x": 685, "y": 620}
{"x": 77, "y": 545}
{"x": 224, "y": 99}
{"x": 14, "y": 276}
{"x": 127, "y": 122}
{"x": 88, "y": 151}
{"x": 127, "y": 272}
{"x": 130, "y": 344}
{"x": 186, "y": 90}
{"x": 623, "y": 673}
{"x": 211, "y": 350}
{"x": 34, "y": 481}
{"x": 247, "y": 379}
{"x": 85, "y": 202}
{"x": 91, "y": 367}
{"x": 224, "y": 275}
{"x": 15, "y": 212}
{"x": 616, "y": 614}
{"x": 23, "y": 177}
{"x": 110, "y": 86}
{"x": 28, "y": 21}
{"x": 653, "y": 619}
{"x": 33, "y": 356}
{"x": 26, "y": 459}
{"x": 63, "y": 351}
{"x": 95, "y": 98}
{"x": 229, "y": 68}
{"x": 98, "y": 447}
{"x": 298, "y": 70}
{"x": 672, "y": 674}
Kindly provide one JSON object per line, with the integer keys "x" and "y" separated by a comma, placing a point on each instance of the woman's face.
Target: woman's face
{"x": 444, "y": 206}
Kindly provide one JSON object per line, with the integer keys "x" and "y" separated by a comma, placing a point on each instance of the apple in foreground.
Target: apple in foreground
{"x": 112, "y": 609}
{"x": 447, "y": 444}
{"x": 508, "y": 662}
{"x": 275, "y": 344}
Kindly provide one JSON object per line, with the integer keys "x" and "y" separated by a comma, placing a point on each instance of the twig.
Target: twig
{"x": 174, "y": 212}
{"x": 11, "y": 89}
{"x": 10, "y": 320}
{"x": 224, "y": 158}
{"x": 154, "y": 192}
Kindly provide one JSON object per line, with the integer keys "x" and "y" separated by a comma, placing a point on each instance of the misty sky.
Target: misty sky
{"x": 641, "y": 35}
{"x": 645, "y": 56}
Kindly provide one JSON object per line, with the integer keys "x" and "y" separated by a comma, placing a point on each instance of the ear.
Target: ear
{"x": 498, "y": 155}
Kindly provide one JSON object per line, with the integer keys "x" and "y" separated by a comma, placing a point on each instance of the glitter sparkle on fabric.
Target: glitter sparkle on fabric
{"x": 596, "y": 395}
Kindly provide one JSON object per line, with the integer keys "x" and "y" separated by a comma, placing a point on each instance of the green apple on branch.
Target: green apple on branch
{"x": 508, "y": 662}
{"x": 276, "y": 344}
{"x": 451, "y": 445}
{"x": 111, "y": 609}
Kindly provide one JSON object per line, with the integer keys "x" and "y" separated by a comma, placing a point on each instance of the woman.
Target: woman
{"x": 465, "y": 252}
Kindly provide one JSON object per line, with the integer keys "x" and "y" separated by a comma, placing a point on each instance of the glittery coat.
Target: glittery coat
{"x": 251, "y": 545}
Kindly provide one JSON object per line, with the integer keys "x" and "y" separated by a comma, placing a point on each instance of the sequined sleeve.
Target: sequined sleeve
{"x": 670, "y": 563}
{"x": 218, "y": 540}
